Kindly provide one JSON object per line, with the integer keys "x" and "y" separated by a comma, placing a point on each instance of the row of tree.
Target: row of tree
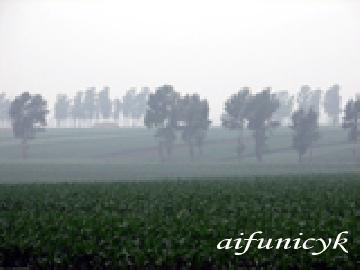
{"x": 89, "y": 105}
{"x": 171, "y": 113}
{"x": 260, "y": 112}
{"x": 310, "y": 98}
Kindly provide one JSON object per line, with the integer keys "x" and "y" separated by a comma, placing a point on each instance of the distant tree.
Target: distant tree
{"x": 4, "y": 109}
{"x": 89, "y": 104}
{"x": 315, "y": 99}
{"x": 129, "y": 103}
{"x": 286, "y": 104}
{"x": 161, "y": 114}
{"x": 62, "y": 108}
{"x": 351, "y": 121}
{"x": 259, "y": 112}
{"x": 304, "y": 98}
{"x": 194, "y": 118}
{"x": 105, "y": 103}
{"x": 77, "y": 111}
{"x": 332, "y": 104}
{"x": 235, "y": 115}
{"x": 306, "y": 130}
{"x": 309, "y": 99}
{"x": 117, "y": 109}
{"x": 28, "y": 116}
{"x": 138, "y": 109}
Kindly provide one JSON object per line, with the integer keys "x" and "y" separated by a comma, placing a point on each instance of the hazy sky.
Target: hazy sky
{"x": 210, "y": 47}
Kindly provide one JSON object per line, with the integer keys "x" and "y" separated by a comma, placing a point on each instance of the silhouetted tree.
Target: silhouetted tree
{"x": 129, "y": 103}
{"x": 77, "y": 110}
{"x": 304, "y": 97}
{"x": 194, "y": 118}
{"x": 351, "y": 121}
{"x": 117, "y": 109}
{"x": 28, "y": 116}
{"x": 4, "y": 109}
{"x": 306, "y": 130}
{"x": 309, "y": 99}
{"x": 105, "y": 103}
{"x": 89, "y": 104}
{"x": 286, "y": 104}
{"x": 235, "y": 114}
{"x": 61, "y": 108}
{"x": 138, "y": 109}
{"x": 332, "y": 104}
{"x": 315, "y": 99}
{"x": 259, "y": 112}
{"x": 161, "y": 114}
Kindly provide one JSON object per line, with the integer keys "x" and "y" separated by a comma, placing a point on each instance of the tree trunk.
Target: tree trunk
{"x": 259, "y": 143}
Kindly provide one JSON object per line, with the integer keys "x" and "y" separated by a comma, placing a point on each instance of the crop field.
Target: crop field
{"x": 101, "y": 199}
{"x": 131, "y": 154}
{"x": 177, "y": 224}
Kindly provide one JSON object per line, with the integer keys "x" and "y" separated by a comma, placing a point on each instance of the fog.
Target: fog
{"x": 209, "y": 47}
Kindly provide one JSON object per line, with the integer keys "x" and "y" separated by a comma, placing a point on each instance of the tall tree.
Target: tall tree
{"x": 309, "y": 99}
{"x": 77, "y": 110}
{"x": 62, "y": 108}
{"x": 194, "y": 116}
{"x": 351, "y": 121}
{"x": 139, "y": 106}
{"x": 161, "y": 114}
{"x": 306, "y": 130}
{"x": 4, "y": 109}
{"x": 235, "y": 115}
{"x": 105, "y": 103}
{"x": 28, "y": 116}
{"x": 332, "y": 104}
{"x": 89, "y": 105}
{"x": 315, "y": 99}
{"x": 304, "y": 98}
{"x": 286, "y": 104}
{"x": 117, "y": 109}
{"x": 129, "y": 103}
{"x": 259, "y": 112}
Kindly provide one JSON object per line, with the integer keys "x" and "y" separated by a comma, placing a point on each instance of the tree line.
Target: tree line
{"x": 172, "y": 114}
{"x": 89, "y": 106}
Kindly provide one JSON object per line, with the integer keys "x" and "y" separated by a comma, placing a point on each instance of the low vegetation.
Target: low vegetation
{"x": 176, "y": 224}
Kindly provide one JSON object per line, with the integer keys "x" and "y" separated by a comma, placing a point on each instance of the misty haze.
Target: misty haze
{"x": 140, "y": 134}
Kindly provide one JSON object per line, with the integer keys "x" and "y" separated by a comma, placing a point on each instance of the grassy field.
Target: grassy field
{"x": 128, "y": 154}
{"x": 175, "y": 224}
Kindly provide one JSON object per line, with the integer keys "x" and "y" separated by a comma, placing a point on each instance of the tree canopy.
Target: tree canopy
{"x": 235, "y": 115}
{"x": 28, "y": 116}
{"x": 332, "y": 103}
{"x": 306, "y": 130}
{"x": 194, "y": 121}
{"x": 61, "y": 108}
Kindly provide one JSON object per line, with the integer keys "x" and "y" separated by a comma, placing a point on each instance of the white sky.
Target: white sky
{"x": 204, "y": 46}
